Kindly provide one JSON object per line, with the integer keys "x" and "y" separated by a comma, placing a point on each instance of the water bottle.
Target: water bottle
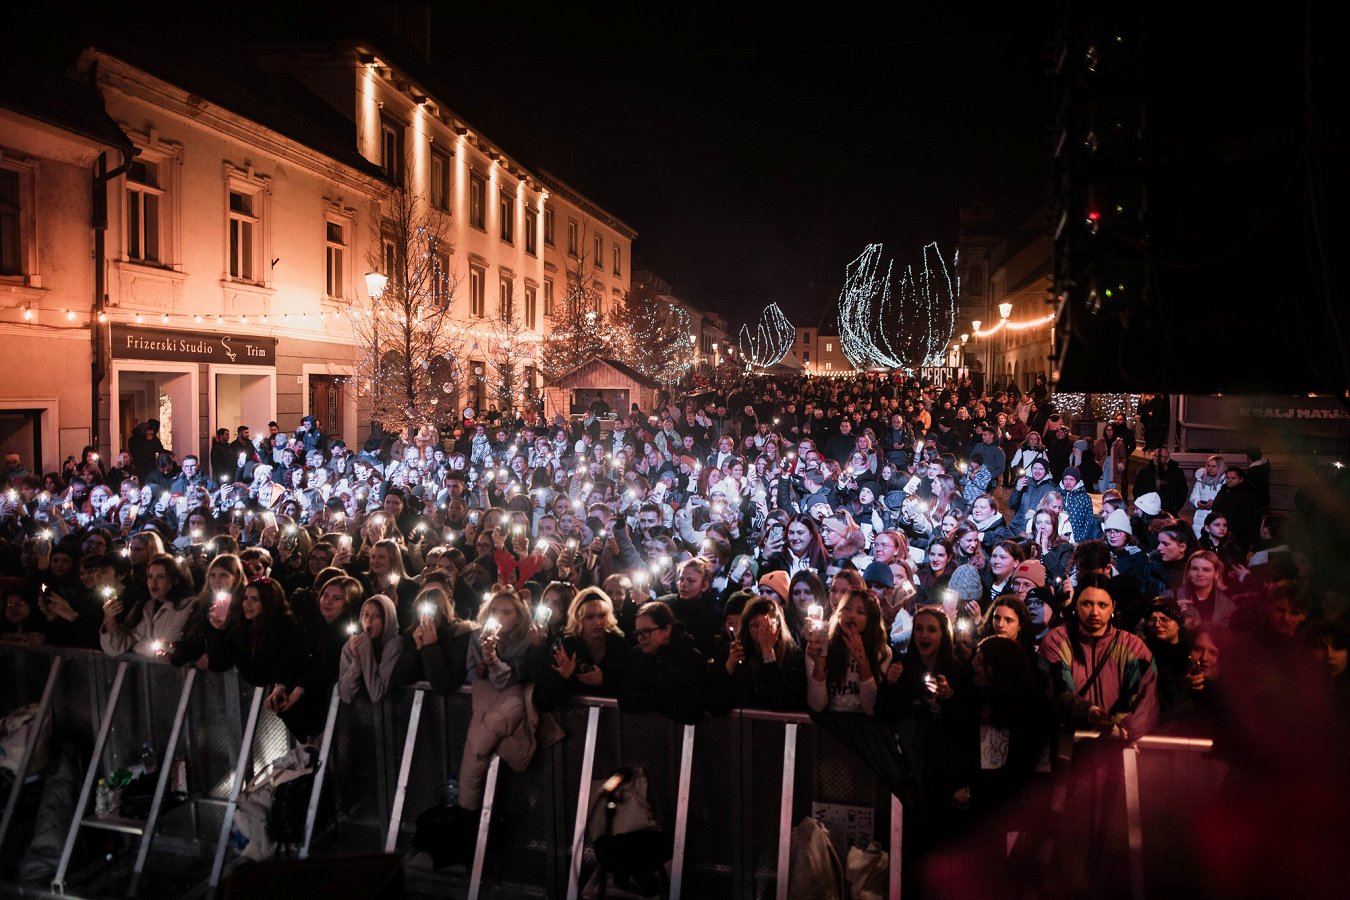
{"x": 149, "y": 763}
{"x": 103, "y": 800}
{"x": 178, "y": 787}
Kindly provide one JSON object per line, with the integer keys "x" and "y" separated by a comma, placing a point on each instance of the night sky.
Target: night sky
{"x": 757, "y": 155}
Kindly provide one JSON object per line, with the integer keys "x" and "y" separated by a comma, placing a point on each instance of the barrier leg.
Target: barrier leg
{"x": 1134, "y": 823}
{"x": 165, "y": 770}
{"x": 583, "y": 803}
{"x": 240, "y": 767}
{"x": 897, "y": 845}
{"x": 404, "y": 767}
{"x": 81, "y": 805}
{"x": 44, "y": 707}
{"x": 785, "y": 808}
{"x": 320, "y": 770}
{"x": 484, "y": 820}
{"x": 682, "y": 813}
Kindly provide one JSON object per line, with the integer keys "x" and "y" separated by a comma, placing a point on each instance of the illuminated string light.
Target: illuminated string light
{"x": 897, "y": 325}
{"x": 773, "y": 337}
{"x": 1013, "y": 326}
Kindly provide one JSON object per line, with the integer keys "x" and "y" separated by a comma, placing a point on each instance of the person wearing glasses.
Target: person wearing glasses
{"x": 669, "y": 674}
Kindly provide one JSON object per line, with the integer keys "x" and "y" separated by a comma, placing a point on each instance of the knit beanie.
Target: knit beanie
{"x": 967, "y": 584}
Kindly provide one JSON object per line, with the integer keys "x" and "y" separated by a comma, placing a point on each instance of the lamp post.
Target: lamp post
{"x": 1004, "y": 310}
{"x": 376, "y": 282}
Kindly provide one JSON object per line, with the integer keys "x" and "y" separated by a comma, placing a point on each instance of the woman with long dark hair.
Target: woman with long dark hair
{"x": 842, "y": 670}
{"x": 763, "y": 667}
{"x": 155, "y": 621}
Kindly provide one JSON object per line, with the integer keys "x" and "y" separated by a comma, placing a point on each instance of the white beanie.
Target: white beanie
{"x": 1149, "y": 504}
{"x": 1118, "y": 521}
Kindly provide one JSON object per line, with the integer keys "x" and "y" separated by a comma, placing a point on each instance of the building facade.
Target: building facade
{"x": 243, "y": 212}
{"x": 517, "y": 235}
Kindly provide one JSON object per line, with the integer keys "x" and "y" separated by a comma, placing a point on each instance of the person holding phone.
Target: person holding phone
{"x": 437, "y": 644}
{"x": 591, "y": 657}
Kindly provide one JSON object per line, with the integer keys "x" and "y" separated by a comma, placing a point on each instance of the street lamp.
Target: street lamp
{"x": 375, "y": 284}
{"x": 1004, "y": 310}
{"x": 975, "y": 325}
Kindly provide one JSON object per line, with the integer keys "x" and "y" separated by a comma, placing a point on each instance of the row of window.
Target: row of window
{"x": 393, "y": 162}
{"x": 506, "y": 297}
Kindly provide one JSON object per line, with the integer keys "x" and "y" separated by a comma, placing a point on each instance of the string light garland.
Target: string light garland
{"x": 771, "y": 340}
{"x": 1103, "y": 406}
{"x": 898, "y": 325}
{"x": 1013, "y": 326}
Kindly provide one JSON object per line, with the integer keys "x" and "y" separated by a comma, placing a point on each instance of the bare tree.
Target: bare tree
{"x": 581, "y": 328}
{"x": 410, "y": 344}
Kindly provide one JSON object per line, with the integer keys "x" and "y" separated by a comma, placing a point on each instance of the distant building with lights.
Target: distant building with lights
{"x": 1009, "y": 273}
{"x": 820, "y": 350}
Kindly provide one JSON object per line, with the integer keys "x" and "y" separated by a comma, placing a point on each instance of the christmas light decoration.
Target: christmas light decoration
{"x": 771, "y": 340}
{"x": 581, "y": 331}
{"x": 897, "y": 325}
{"x": 658, "y": 333}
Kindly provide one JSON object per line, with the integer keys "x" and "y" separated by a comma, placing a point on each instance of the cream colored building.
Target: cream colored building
{"x": 518, "y": 234}
{"x": 49, "y": 157}
{"x": 237, "y": 243}
{"x": 233, "y": 255}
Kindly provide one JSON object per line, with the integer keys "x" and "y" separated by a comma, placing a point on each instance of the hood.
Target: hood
{"x": 390, "y": 631}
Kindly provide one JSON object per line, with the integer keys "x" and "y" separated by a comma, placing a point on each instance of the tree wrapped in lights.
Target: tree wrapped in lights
{"x": 657, "y": 333}
{"x": 897, "y": 325}
{"x": 769, "y": 342}
{"x": 580, "y": 327}
{"x": 410, "y": 346}
{"x": 510, "y": 350}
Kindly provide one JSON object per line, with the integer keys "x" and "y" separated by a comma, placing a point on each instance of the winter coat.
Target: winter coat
{"x": 368, "y": 666}
{"x": 1024, "y": 502}
{"x": 551, "y": 690}
{"x": 504, "y": 722}
{"x": 1171, "y": 488}
{"x": 1125, "y": 685}
{"x": 158, "y": 622}
{"x": 671, "y": 681}
{"x": 1078, "y": 506}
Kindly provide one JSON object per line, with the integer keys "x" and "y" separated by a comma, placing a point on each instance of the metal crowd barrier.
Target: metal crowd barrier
{"x": 1134, "y": 819}
{"x": 86, "y": 694}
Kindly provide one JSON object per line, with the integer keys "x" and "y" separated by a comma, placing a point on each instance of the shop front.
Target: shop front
{"x": 192, "y": 382}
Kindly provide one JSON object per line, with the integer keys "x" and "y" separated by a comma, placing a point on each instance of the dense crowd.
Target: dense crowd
{"x": 959, "y": 560}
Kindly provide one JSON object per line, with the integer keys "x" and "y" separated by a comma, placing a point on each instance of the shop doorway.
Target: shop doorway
{"x": 166, "y": 395}
{"x": 243, "y": 396}
{"x": 21, "y": 433}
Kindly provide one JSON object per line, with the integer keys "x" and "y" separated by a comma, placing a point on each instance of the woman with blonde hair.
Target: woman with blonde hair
{"x": 591, "y": 656}
{"x": 1203, "y": 596}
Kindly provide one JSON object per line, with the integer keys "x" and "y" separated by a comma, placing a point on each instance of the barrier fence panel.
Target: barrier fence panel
{"x": 727, "y": 791}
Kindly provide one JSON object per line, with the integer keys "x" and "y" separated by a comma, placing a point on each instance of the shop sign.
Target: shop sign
{"x": 131, "y": 342}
